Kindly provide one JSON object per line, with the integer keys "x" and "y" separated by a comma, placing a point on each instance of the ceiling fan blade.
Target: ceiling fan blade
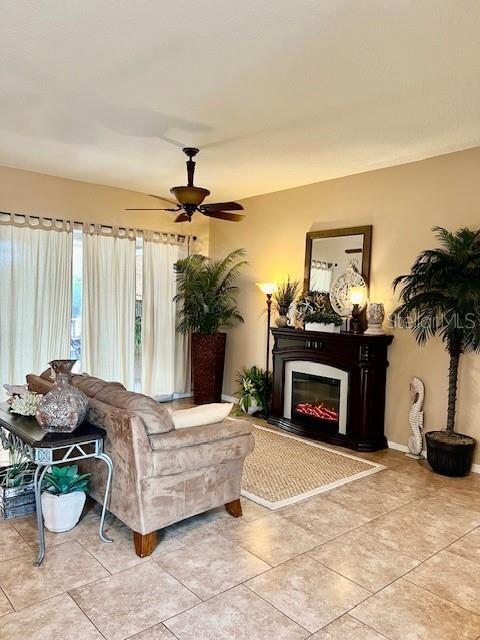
{"x": 152, "y": 195}
{"x": 178, "y": 209}
{"x": 182, "y": 218}
{"x": 223, "y": 206}
{"x": 224, "y": 215}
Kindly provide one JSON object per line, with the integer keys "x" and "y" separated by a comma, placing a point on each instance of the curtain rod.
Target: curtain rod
{"x": 107, "y": 226}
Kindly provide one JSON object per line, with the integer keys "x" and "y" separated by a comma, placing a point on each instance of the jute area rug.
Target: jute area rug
{"x": 284, "y": 469}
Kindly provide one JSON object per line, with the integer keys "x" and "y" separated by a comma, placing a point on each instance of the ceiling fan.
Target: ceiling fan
{"x": 189, "y": 198}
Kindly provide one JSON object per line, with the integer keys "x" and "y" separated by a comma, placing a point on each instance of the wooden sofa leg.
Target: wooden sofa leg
{"x": 144, "y": 543}
{"x": 234, "y": 508}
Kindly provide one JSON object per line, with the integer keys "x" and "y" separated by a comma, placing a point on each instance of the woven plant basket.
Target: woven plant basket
{"x": 17, "y": 501}
{"x": 208, "y": 358}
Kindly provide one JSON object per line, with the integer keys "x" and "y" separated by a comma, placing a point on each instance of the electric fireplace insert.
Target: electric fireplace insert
{"x": 316, "y": 401}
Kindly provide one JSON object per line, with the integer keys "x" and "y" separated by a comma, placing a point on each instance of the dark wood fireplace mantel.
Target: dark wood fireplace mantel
{"x": 362, "y": 357}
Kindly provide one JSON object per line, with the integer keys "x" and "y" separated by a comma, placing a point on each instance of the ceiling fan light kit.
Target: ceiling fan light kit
{"x": 190, "y": 195}
{"x": 190, "y": 198}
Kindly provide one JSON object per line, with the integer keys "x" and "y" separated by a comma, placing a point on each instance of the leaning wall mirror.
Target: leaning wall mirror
{"x": 328, "y": 253}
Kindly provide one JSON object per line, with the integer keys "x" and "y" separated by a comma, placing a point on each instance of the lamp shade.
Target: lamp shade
{"x": 357, "y": 295}
{"x": 268, "y": 288}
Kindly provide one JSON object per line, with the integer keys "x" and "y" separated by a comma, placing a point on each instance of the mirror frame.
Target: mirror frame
{"x": 366, "y": 231}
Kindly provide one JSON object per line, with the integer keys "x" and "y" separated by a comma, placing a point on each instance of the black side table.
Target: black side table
{"x": 46, "y": 449}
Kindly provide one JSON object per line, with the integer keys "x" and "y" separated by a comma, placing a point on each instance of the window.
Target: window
{"x": 77, "y": 290}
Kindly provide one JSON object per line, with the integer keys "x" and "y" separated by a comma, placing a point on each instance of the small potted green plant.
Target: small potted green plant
{"x": 64, "y": 497}
{"x": 441, "y": 297}
{"x": 314, "y": 310}
{"x": 255, "y": 390}
{"x": 283, "y": 299}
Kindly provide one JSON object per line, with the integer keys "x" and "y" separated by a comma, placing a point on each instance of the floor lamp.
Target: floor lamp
{"x": 268, "y": 288}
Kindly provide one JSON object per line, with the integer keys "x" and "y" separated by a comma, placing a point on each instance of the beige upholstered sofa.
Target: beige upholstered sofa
{"x": 161, "y": 475}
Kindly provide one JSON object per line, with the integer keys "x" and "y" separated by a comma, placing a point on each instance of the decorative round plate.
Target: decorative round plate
{"x": 340, "y": 290}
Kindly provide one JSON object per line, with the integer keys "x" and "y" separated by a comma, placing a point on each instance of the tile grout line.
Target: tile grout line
{"x": 418, "y": 587}
{"x": 371, "y": 593}
{"x": 240, "y": 584}
{"x": 96, "y": 559}
{"x": 455, "y": 604}
{"x": 2, "y": 590}
{"x": 61, "y": 592}
{"x": 405, "y": 576}
{"x": 85, "y": 614}
{"x": 297, "y": 623}
{"x": 148, "y": 629}
{"x": 435, "y": 526}
{"x": 276, "y": 608}
{"x": 345, "y": 613}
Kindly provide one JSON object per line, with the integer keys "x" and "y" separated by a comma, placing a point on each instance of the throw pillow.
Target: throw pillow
{"x": 199, "y": 416}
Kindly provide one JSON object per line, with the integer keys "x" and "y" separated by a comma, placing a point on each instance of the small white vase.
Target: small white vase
{"x": 320, "y": 326}
{"x": 252, "y": 408}
{"x": 61, "y": 513}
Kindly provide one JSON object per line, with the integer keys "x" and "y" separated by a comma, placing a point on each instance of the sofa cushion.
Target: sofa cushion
{"x": 154, "y": 416}
{"x": 91, "y": 386}
{"x": 86, "y": 383}
{"x": 228, "y": 428}
{"x": 199, "y": 447}
{"x": 199, "y": 416}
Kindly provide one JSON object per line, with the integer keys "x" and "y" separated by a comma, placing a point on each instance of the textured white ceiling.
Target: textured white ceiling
{"x": 276, "y": 93}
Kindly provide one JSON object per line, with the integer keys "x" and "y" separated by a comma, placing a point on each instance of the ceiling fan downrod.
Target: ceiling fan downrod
{"x": 190, "y": 152}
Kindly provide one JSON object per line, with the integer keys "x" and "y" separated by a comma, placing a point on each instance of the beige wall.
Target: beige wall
{"x": 402, "y": 203}
{"x": 38, "y": 194}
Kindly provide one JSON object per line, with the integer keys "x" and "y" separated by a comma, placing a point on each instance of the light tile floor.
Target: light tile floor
{"x": 395, "y": 555}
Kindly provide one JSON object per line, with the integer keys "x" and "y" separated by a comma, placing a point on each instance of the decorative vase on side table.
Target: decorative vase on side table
{"x": 64, "y": 407}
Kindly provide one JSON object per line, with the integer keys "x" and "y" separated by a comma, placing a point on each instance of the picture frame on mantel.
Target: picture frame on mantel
{"x": 347, "y": 233}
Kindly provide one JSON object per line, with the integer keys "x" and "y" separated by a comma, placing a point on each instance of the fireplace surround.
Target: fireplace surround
{"x": 330, "y": 386}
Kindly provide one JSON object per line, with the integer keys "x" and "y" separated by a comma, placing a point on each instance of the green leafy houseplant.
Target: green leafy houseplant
{"x": 207, "y": 293}
{"x": 285, "y": 296}
{"x": 441, "y": 297}
{"x": 255, "y": 389}
{"x": 63, "y": 480}
{"x": 207, "y": 302}
{"x": 315, "y": 306}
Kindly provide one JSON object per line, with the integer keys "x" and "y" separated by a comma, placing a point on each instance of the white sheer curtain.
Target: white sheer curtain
{"x": 35, "y": 310}
{"x": 108, "y": 316}
{"x": 165, "y": 357}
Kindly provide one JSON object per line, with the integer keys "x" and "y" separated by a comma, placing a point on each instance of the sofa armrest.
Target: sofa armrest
{"x": 179, "y": 438}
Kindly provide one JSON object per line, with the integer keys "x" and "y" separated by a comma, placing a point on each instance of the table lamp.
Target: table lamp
{"x": 357, "y": 297}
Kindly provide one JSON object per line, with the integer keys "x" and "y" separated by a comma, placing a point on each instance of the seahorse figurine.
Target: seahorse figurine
{"x": 415, "y": 416}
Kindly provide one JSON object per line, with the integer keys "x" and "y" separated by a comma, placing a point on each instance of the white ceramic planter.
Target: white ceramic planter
{"x": 61, "y": 513}
{"x": 320, "y": 326}
{"x": 253, "y": 407}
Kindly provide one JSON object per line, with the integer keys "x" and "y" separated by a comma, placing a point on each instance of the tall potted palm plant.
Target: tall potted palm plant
{"x": 207, "y": 303}
{"x": 441, "y": 296}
